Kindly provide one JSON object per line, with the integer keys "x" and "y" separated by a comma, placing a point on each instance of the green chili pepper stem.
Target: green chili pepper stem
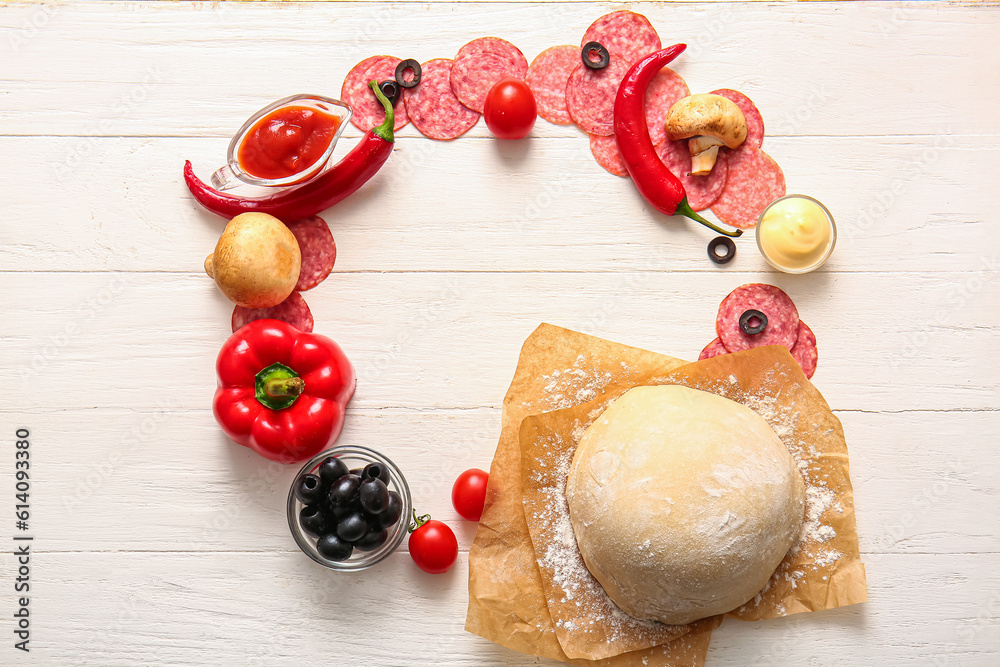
{"x": 284, "y": 387}
{"x": 385, "y": 129}
{"x": 685, "y": 209}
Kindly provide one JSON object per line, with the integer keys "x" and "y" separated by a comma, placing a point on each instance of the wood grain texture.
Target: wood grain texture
{"x": 234, "y": 501}
{"x": 158, "y": 542}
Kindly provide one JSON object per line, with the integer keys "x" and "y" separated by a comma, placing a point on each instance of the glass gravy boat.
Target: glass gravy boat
{"x": 233, "y": 174}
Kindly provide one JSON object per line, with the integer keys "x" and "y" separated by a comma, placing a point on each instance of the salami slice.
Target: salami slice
{"x": 754, "y": 181}
{"x": 804, "y": 350}
{"x": 319, "y": 252}
{"x": 605, "y": 150}
{"x": 547, "y": 77}
{"x": 626, "y": 35}
{"x": 368, "y": 112}
{"x": 480, "y": 64}
{"x": 666, "y": 88}
{"x": 292, "y": 310}
{"x": 432, "y": 105}
{"x": 755, "y": 123}
{"x": 590, "y": 96}
{"x": 713, "y": 349}
{"x": 701, "y": 191}
{"x": 782, "y": 317}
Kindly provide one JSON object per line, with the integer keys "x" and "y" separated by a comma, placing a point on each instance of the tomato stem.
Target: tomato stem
{"x": 418, "y": 521}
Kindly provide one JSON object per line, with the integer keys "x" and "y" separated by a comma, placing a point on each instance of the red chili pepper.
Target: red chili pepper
{"x": 319, "y": 194}
{"x": 282, "y": 392}
{"x": 655, "y": 182}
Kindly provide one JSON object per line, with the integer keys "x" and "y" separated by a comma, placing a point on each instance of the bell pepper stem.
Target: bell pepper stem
{"x": 284, "y": 387}
{"x": 385, "y": 129}
{"x": 685, "y": 209}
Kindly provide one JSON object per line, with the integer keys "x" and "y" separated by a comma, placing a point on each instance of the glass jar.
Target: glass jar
{"x": 355, "y": 456}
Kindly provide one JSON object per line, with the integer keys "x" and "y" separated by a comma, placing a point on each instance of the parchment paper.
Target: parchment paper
{"x": 559, "y": 369}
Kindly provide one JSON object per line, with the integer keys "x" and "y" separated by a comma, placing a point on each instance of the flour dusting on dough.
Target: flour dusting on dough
{"x": 562, "y": 558}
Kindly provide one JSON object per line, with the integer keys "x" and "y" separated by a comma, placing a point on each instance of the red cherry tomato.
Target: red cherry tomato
{"x": 432, "y": 545}
{"x": 469, "y": 493}
{"x": 510, "y": 109}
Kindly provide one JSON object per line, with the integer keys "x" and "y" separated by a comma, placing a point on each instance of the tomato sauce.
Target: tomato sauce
{"x": 286, "y": 141}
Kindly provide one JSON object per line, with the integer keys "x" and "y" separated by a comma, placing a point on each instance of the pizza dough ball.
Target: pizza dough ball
{"x": 683, "y": 503}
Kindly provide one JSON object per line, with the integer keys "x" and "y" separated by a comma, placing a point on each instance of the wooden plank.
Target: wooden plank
{"x": 276, "y": 608}
{"x": 172, "y": 481}
{"x": 452, "y": 340}
{"x": 474, "y": 205}
{"x": 93, "y": 68}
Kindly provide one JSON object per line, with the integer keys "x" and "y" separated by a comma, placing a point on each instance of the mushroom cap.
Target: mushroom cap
{"x": 707, "y": 115}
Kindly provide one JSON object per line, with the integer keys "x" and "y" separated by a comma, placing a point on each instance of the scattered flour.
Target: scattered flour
{"x": 561, "y": 556}
{"x": 572, "y": 386}
{"x": 576, "y": 587}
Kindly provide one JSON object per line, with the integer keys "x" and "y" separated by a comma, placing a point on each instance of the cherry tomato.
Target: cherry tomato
{"x": 510, "y": 109}
{"x": 469, "y": 493}
{"x": 432, "y": 545}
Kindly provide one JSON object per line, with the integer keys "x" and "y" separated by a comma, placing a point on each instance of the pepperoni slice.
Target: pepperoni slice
{"x": 368, "y": 111}
{"x": 701, "y": 191}
{"x": 480, "y": 64}
{"x": 605, "y": 150}
{"x": 590, "y": 96}
{"x": 666, "y": 88}
{"x": 713, "y": 349}
{"x": 626, "y": 35}
{"x": 754, "y": 181}
{"x": 292, "y": 310}
{"x": 782, "y": 317}
{"x": 804, "y": 350}
{"x": 432, "y": 105}
{"x": 755, "y": 123}
{"x": 547, "y": 77}
{"x": 319, "y": 252}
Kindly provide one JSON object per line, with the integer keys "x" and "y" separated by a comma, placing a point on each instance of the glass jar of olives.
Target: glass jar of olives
{"x": 349, "y": 508}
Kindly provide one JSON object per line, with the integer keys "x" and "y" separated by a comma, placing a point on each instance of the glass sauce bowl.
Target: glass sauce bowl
{"x": 233, "y": 174}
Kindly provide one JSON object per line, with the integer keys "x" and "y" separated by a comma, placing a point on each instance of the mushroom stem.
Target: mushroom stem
{"x": 702, "y": 163}
{"x": 707, "y": 122}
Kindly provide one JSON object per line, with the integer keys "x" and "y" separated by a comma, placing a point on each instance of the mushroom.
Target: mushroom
{"x": 256, "y": 262}
{"x": 707, "y": 122}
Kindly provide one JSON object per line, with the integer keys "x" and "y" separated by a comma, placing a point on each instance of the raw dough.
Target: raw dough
{"x": 683, "y": 503}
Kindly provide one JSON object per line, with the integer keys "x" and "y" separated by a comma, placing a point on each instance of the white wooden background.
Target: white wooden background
{"x": 159, "y": 542}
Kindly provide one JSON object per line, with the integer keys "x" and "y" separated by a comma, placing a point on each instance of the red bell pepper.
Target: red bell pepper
{"x": 282, "y": 392}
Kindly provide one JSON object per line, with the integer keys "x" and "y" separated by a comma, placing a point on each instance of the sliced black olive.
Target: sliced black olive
{"x": 391, "y": 90}
{"x": 401, "y": 68}
{"x": 603, "y": 57}
{"x": 753, "y": 329}
{"x": 713, "y": 250}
